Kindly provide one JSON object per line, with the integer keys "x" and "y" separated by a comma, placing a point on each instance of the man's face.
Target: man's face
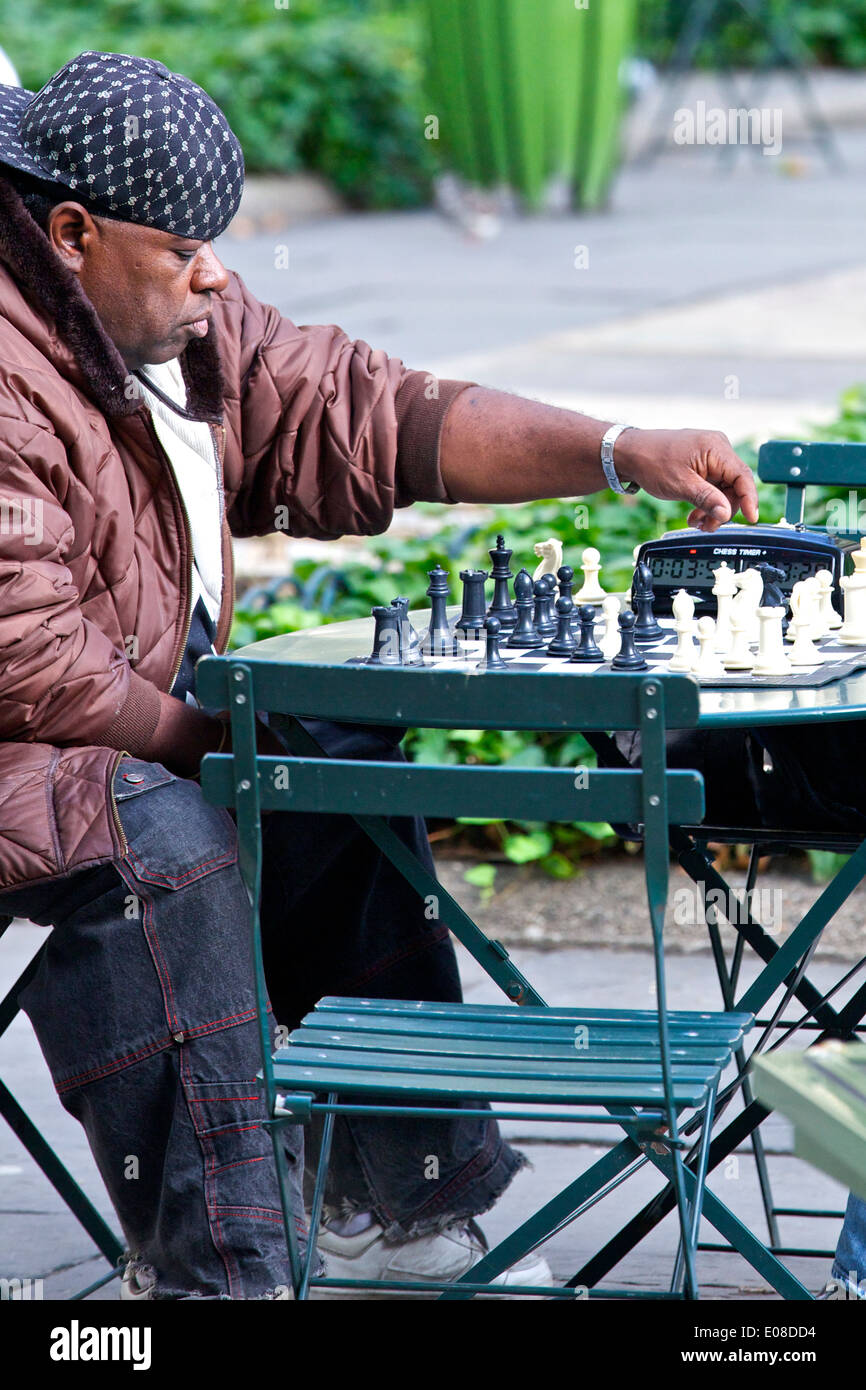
{"x": 152, "y": 290}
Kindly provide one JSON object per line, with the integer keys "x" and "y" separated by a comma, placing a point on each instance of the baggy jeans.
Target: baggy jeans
{"x": 144, "y": 1007}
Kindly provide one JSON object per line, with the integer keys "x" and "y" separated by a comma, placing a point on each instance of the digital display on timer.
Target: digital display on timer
{"x": 698, "y": 569}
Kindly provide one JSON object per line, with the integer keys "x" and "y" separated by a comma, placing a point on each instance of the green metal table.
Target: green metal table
{"x": 317, "y": 667}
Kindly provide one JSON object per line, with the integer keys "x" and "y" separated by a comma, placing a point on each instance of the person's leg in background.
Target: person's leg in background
{"x": 144, "y": 1007}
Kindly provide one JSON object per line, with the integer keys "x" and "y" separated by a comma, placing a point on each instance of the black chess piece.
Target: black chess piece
{"x": 773, "y": 596}
{"x": 646, "y": 629}
{"x": 587, "y": 649}
{"x": 439, "y": 639}
{"x": 386, "y": 638}
{"x": 410, "y": 644}
{"x": 471, "y": 620}
{"x": 524, "y": 634}
{"x": 493, "y": 658}
{"x": 628, "y": 658}
{"x": 544, "y": 621}
{"x": 501, "y": 606}
{"x": 564, "y": 642}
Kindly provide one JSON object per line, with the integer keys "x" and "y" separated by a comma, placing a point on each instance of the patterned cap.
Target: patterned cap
{"x": 134, "y": 141}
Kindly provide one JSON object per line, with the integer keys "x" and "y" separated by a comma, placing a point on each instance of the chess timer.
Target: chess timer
{"x": 686, "y": 559}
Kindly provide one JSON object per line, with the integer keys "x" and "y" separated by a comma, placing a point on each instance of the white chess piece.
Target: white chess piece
{"x": 707, "y": 662}
{"x": 751, "y": 587}
{"x": 772, "y": 660}
{"x": 738, "y": 657}
{"x": 818, "y": 629}
{"x": 724, "y": 590}
{"x": 853, "y": 631}
{"x": 610, "y": 642}
{"x": 803, "y": 605}
{"x": 829, "y": 616}
{"x": 590, "y": 590}
{"x": 550, "y": 554}
{"x": 683, "y": 608}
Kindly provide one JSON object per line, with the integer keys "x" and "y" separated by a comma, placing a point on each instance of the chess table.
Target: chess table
{"x": 327, "y": 667}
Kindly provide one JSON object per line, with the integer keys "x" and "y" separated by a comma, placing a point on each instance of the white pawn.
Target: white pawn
{"x": 853, "y": 630}
{"x": 738, "y": 657}
{"x": 724, "y": 590}
{"x": 590, "y": 590}
{"x": 829, "y": 616}
{"x": 707, "y": 662}
{"x": 772, "y": 659}
{"x": 818, "y": 630}
{"x": 803, "y": 605}
{"x": 683, "y": 608}
{"x": 610, "y": 642}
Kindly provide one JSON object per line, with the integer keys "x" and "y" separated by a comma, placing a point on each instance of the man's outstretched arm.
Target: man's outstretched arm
{"x": 496, "y": 447}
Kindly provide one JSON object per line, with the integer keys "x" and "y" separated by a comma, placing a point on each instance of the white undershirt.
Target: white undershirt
{"x": 189, "y": 445}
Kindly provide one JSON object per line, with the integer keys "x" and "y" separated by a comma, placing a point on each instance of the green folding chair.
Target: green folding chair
{"x": 643, "y": 1071}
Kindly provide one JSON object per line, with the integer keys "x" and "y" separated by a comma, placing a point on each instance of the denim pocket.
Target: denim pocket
{"x": 174, "y": 836}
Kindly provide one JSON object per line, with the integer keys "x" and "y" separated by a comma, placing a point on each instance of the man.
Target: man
{"x": 152, "y": 408}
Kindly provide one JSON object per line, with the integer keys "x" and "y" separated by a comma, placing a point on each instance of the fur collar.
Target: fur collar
{"x": 46, "y": 282}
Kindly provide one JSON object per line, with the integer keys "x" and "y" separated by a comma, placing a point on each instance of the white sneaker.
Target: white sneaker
{"x": 138, "y": 1281}
{"x": 443, "y": 1258}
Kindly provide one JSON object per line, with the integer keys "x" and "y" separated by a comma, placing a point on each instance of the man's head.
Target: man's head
{"x": 130, "y": 170}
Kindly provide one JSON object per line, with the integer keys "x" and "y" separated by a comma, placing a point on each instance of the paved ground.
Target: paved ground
{"x": 40, "y": 1240}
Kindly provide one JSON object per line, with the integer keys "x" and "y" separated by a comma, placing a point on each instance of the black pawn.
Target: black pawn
{"x": 628, "y": 658}
{"x": 524, "y": 634}
{"x": 386, "y": 638}
{"x": 587, "y": 649}
{"x": 471, "y": 620}
{"x": 410, "y": 645}
{"x": 501, "y": 607}
{"x": 563, "y": 643}
{"x": 646, "y": 629}
{"x": 439, "y": 639}
{"x": 545, "y": 623}
{"x": 493, "y": 659}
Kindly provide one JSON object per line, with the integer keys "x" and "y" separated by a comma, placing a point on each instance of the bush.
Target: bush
{"x": 833, "y": 34}
{"x": 310, "y": 87}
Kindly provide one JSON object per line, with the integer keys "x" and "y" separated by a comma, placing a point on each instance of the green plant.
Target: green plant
{"x": 833, "y": 34}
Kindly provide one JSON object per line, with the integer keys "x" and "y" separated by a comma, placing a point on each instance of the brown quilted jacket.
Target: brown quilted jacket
{"x": 94, "y": 545}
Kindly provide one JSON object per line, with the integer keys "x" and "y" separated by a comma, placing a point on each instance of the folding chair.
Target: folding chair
{"x": 640, "y": 1070}
{"x": 41, "y": 1151}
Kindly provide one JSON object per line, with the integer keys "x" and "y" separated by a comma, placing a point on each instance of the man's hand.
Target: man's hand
{"x": 697, "y": 466}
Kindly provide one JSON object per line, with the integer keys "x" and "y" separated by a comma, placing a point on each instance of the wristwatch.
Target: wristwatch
{"x": 607, "y": 444}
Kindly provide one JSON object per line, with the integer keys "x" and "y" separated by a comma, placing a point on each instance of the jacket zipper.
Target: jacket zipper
{"x": 124, "y": 843}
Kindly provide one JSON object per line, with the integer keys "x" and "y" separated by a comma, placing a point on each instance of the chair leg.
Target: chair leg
{"x": 288, "y": 1213}
{"x": 318, "y": 1198}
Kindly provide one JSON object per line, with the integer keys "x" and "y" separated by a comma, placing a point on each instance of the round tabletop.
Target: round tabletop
{"x": 335, "y": 644}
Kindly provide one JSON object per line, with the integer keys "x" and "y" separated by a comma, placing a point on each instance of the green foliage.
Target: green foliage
{"x": 832, "y": 34}
{"x": 313, "y": 86}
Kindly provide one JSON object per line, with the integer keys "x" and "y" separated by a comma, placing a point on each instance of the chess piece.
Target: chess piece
{"x": 410, "y": 644}
{"x": 501, "y": 607}
{"x": 545, "y": 623}
{"x": 564, "y": 642}
{"x": 386, "y": 638}
{"x": 628, "y": 658}
{"x": 550, "y": 554}
{"x": 772, "y": 659}
{"x": 590, "y": 590}
{"x": 524, "y": 634}
{"x": 586, "y": 649}
{"x": 646, "y": 629}
{"x": 738, "y": 657}
{"x": 493, "y": 659}
{"x": 439, "y": 639}
{"x": 471, "y": 621}
{"x": 829, "y": 617}
{"x": 706, "y": 664}
{"x": 610, "y": 640}
{"x": 724, "y": 589}
{"x": 804, "y": 652}
{"x": 772, "y": 594}
{"x": 853, "y": 630}
{"x": 751, "y": 588}
{"x": 683, "y": 608}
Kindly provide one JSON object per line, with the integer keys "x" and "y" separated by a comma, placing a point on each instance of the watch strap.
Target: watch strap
{"x": 610, "y": 473}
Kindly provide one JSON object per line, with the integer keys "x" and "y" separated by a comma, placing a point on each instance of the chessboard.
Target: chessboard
{"x": 838, "y": 660}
